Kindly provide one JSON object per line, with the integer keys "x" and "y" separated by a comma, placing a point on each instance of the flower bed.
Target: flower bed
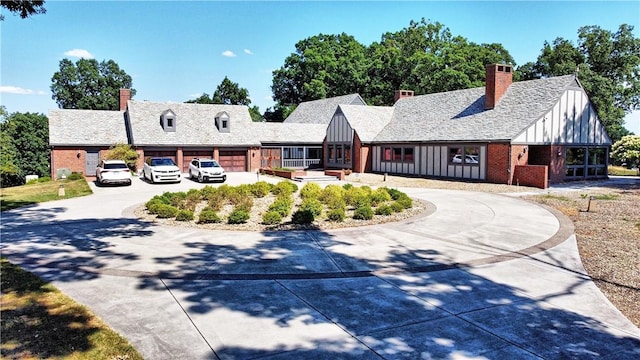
{"x": 285, "y": 173}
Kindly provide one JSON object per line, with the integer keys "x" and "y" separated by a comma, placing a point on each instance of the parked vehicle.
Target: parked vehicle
{"x": 158, "y": 169}
{"x": 113, "y": 172}
{"x": 468, "y": 159}
{"x": 206, "y": 169}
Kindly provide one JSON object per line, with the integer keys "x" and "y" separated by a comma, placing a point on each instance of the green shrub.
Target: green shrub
{"x": 311, "y": 191}
{"x": 284, "y": 187}
{"x": 313, "y": 205}
{"x": 123, "y": 152}
{"x": 32, "y": 181}
{"x": 75, "y": 176}
{"x": 208, "y": 216}
{"x": 385, "y": 210}
{"x": 302, "y": 217}
{"x": 245, "y": 203}
{"x": 207, "y": 192}
{"x": 260, "y": 189}
{"x": 184, "y": 215}
{"x": 153, "y": 205}
{"x": 347, "y": 186}
{"x": 379, "y": 196}
{"x": 216, "y": 200}
{"x": 396, "y": 207}
{"x": 175, "y": 198}
{"x": 394, "y": 193}
{"x": 238, "y": 216}
{"x": 239, "y": 197}
{"x": 282, "y": 205}
{"x": 336, "y": 215}
{"x": 363, "y": 213}
{"x": 271, "y": 218}
{"x": 405, "y": 201}
{"x": 244, "y": 189}
{"x": 358, "y": 197}
{"x": 330, "y": 193}
{"x": 165, "y": 211}
{"x": 225, "y": 190}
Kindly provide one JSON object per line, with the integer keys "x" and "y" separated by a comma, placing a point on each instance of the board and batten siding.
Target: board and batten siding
{"x": 339, "y": 132}
{"x": 571, "y": 120}
{"x": 431, "y": 160}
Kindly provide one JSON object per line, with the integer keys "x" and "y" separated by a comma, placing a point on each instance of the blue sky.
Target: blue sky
{"x": 176, "y": 50}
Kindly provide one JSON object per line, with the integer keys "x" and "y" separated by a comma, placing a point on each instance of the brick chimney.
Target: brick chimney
{"x": 125, "y": 95}
{"x": 499, "y": 77}
{"x": 401, "y": 94}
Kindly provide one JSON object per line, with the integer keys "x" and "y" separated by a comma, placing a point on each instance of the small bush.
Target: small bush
{"x": 184, "y": 215}
{"x": 245, "y": 203}
{"x": 358, "y": 197}
{"x": 75, "y": 176}
{"x": 244, "y": 189}
{"x": 379, "y": 196}
{"x": 260, "y": 189}
{"x": 282, "y": 205}
{"x": 363, "y": 213}
{"x": 271, "y": 218}
{"x": 302, "y": 217}
{"x": 332, "y": 194}
{"x": 347, "y": 186}
{"x": 207, "y": 192}
{"x": 336, "y": 215}
{"x": 44, "y": 179}
{"x": 396, "y": 207}
{"x": 166, "y": 211}
{"x": 394, "y": 193}
{"x": 208, "y": 216}
{"x": 153, "y": 206}
{"x": 238, "y": 216}
{"x": 225, "y": 190}
{"x": 216, "y": 200}
{"x": 313, "y": 205}
{"x": 310, "y": 191}
{"x": 385, "y": 210}
{"x": 405, "y": 201}
{"x": 284, "y": 187}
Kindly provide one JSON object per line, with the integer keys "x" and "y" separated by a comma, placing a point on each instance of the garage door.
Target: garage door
{"x": 160, "y": 153}
{"x": 235, "y": 160}
{"x": 188, "y": 155}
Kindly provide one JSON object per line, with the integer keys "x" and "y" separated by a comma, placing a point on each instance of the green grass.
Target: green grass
{"x": 622, "y": 171}
{"x": 17, "y": 196}
{"x": 555, "y": 197}
{"x": 40, "y": 322}
{"x": 606, "y": 197}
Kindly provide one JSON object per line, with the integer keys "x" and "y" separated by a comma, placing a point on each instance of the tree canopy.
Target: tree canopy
{"x": 627, "y": 151}
{"x": 23, "y": 8}
{"x": 88, "y": 84}
{"x": 24, "y": 138}
{"x": 607, "y": 65}
{"x": 229, "y": 93}
{"x": 424, "y": 57}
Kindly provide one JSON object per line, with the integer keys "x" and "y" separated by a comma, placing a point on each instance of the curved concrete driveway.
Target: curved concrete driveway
{"x": 481, "y": 276}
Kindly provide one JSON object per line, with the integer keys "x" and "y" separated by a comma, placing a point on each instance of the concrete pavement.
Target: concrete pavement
{"x": 482, "y": 276}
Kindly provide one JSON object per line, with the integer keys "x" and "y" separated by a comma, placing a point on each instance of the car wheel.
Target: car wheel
{"x": 151, "y": 177}
{"x": 200, "y": 178}
{"x": 224, "y": 178}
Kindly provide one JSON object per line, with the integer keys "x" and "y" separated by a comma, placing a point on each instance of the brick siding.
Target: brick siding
{"x": 531, "y": 175}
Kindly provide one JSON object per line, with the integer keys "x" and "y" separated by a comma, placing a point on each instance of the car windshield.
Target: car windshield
{"x": 160, "y": 162}
{"x": 115, "y": 166}
{"x": 209, "y": 164}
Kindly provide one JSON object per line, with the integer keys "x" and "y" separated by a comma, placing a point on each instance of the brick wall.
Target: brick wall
{"x": 531, "y": 175}
{"x": 498, "y": 163}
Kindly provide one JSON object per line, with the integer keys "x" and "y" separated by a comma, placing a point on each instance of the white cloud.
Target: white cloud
{"x": 228, "y": 53}
{"x": 79, "y": 53}
{"x": 248, "y": 52}
{"x": 20, "y": 91}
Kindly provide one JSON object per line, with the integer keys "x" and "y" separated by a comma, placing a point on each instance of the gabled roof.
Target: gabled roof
{"x": 292, "y": 133}
{"x": 460, "y": 115}
{"x": 367, "y": 121}
{"x": 194, "y": 123}
{"x": 86, "y": 127}
{"x": 321, "y": 111}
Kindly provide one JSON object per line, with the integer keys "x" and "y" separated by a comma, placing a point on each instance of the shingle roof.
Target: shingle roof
{"x": 86, "y": 127}
{"x": 282, "y": 133}
{"x": 195, "y": 124}
{"x": 321, "y": 111}
{"x": 367, "y": 121}
{"x": 460, "y": 115}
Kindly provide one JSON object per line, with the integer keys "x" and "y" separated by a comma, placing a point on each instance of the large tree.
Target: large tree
{"x": 23, "y": 8}
{"x": 322, "y": 66}
{"x": 229, "y": 93}
{"x": 608, "y": 66}
{"x": 25, "y": 147}
{"x": 88, "y": 84}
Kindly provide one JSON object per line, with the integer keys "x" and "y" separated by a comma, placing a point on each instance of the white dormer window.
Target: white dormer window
{"x": 223, "y": 122}
{"x": 168, "y": 121}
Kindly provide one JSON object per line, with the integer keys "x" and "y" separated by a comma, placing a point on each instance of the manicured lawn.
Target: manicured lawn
{"x": 622, "y": 171}
{"x": 17, "y": 196}
{"x": 38, "y": 322}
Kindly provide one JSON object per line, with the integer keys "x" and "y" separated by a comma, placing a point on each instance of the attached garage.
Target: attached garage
{"x": 188, "y": 155}
{"x": 160, "y": 153}
{"x": 233, "y": 160}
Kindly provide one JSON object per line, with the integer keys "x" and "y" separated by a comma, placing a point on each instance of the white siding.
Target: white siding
{"x": 572, "y": 120}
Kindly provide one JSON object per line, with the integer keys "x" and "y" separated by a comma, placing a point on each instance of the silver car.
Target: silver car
{"x": 206, "y": 169}
{"x": 158, "y": 169}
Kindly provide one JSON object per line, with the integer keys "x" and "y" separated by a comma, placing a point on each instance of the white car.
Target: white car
{"x": 113, "y": 172}
{"x": 206, "y": 169}
{"x": 468, "y": 159}
{"x": 158, "y": 169}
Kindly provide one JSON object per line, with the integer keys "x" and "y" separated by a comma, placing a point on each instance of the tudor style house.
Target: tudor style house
{"x": 529, "y": 133}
